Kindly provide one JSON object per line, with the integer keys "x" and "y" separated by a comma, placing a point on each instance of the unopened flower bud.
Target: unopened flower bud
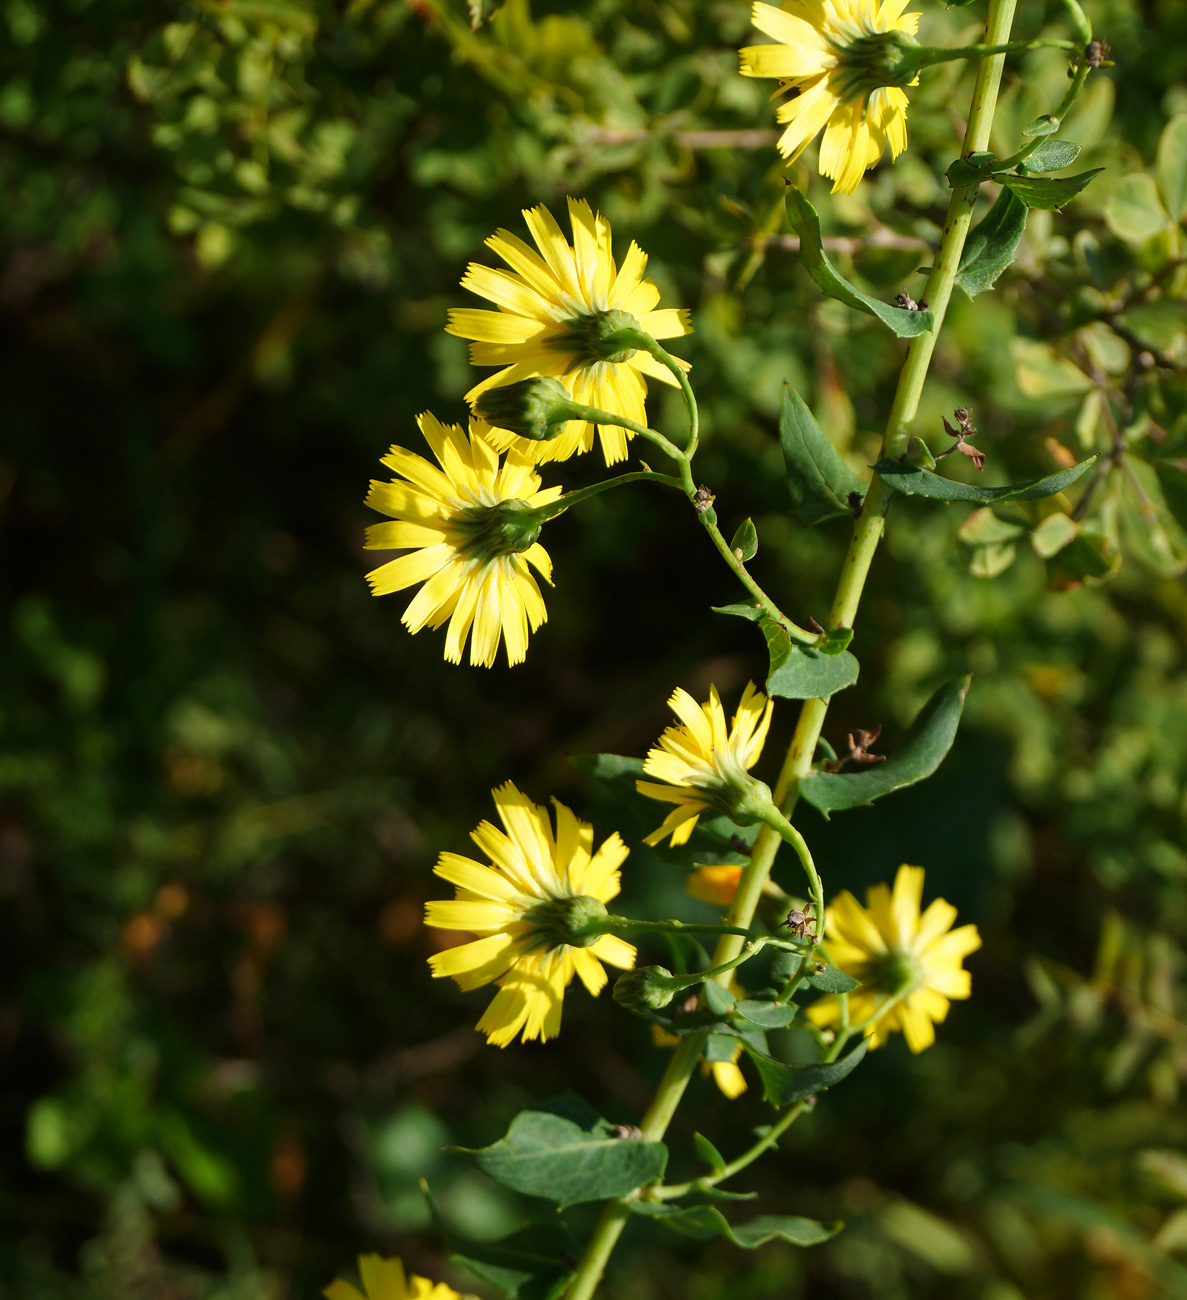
{"x": 533, "y": 408}
{"x": 647, "y": 988}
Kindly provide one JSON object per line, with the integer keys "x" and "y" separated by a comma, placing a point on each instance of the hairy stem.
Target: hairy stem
{"x": 867, "y": 532}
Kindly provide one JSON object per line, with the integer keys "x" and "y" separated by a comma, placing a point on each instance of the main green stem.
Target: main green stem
{"x": 867, "y": 532}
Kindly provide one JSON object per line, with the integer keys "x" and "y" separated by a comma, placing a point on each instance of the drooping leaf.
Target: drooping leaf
{"x": 913, "y": 481}
{"x": 923, "y": 748}
{"x": 819, "y": 481}
{"x": 992, "y": 244}
{"x": 569, "y": 1154}
{"x": 1172, "y": 166}
{"x": 705, "y": 1221}
{"x": 801, "y": 673}
{"x": 784, "y": 1084}
{"x": 745, "y": 540}
{"x": 906, "y": 324}
{"x": 531, "y": 1264}
{"x": 1048, "y": 192}
{"x": 1052, "y": 156}
{"x": 770, "y": 1015}
{"x": 830, "y": 980}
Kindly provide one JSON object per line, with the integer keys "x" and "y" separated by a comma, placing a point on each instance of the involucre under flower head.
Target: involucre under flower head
{"x": 471, "y": 533}
{"x": 385, "y": 1279}
{"x": 705, "y": 764}
{"x": 537, "y": 886}
{"x": 564, "y": 311}
{"x": 897, "y": 954}
{"x": 842, "y": 62}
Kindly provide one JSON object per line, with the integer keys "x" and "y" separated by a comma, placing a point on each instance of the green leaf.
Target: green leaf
{"x": 745, "y": 540}
{"x": 830, "y": 980}
{"x": 1053, "y": 534}
{"x": 835, "y": 641}
{"x": 784, "y": 1084}
{"x": 752, "y": 613}
{"x": 802, "y": 673}
{"x": 1134, "y": 211}
{"x": 819, "y": 481}
{"x": 1047, "y": 192}
{"x": 974, "y": 169}
{"x": 1046, "y": 125}
{"x": 720, "y": 1048}
{"x": 527, "y": 1265}
{"x": 718, "y": 999}
{"x": 705, "y": 1221}
{"x": 805, "y": 222}
{"x": 771, "y": 1015}
{"x": 708, "y": 1153}
{"x": 1172, "y": 166}
{"x": 983, "y": 528}
{"x": 923, "y": 748}
{"x": 912, "y": 481}
{"x": 992, "y": 245}
{"x": 564, "y": 1151}
{"x": 1149, "y": 528}
{"x": 1052, "y": 156}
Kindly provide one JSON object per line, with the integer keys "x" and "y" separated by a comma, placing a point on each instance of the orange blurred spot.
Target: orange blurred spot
{"x": 172, "y": 901}
{"x": 400, "y": 920}
{"x": 1060, "y": 454}
{"x": 715, "y": 884}
{"x": 286, "y": 1169}
{"x": 142, "y": 933}
{"x": 442, "y": 939}
{"x": 264, "y": 923}
{"x": 191, "y": 774}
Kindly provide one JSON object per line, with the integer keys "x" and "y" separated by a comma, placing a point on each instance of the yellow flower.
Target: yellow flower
{"x": 717, "y": 884}
{"x": 384, "y": 1279}
{"x": 836, "y": 58}
{"x": 470, "y": 534}
{"x": 703, "y": 763}
{"x": 550, "y": 306}
{"x": 525, "y": 907}
{"x": 897, "y": 954}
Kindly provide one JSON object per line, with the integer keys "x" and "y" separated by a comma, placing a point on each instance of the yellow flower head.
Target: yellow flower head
{"x": 470, "y": 536}
{"x": 551, "y": 304}
{"x": 384, "y": 1279}
{"x": 897, "y": 954}
{"x": 838, "y": 58}
{"x": 523, "y": 906}
{"x": 702, "y": 762}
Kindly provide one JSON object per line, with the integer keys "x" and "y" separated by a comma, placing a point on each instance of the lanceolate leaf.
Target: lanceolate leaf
{"x": 805, "y": 674}
{"x": 705, "y": 1221}
{"x": 1046, "y": 191}
{"x": 923, "y": 749}
{"x": 784, "y": 1084}
{"x": 913, "y": 481}
{"x": 819, "y": 481}
{"x": 569, "y": 1154}
{"x": 992, "y": 244}
{"x": 906, "y": 324}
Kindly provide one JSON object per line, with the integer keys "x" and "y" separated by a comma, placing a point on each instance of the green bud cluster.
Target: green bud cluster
{"x": 533, "y": 408}
{"x": 572, "y": 921}
{"x": 613, "y": 336}
{"x": 647, "y": 988}
{"x": 880, "y": 59}
{"x": 501, "y": 529}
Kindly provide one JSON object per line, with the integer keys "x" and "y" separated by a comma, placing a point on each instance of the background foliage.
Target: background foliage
{"x": 231, "y": 231}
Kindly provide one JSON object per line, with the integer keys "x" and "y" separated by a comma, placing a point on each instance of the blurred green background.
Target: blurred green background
{"x": 231, "y": 232}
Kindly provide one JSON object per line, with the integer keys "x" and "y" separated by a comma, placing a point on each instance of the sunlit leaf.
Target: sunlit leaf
{"x": 784, "y": 1084}
{"x": 821, "y": 485}
{"x": 1048, "y": 192}
{"x": 922, "y": 750}
{"x": 801, "y": 673}
{"x": 906, "y": 324}
{"x": 992, "y": 244}
{"x": 913, "y": 481}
